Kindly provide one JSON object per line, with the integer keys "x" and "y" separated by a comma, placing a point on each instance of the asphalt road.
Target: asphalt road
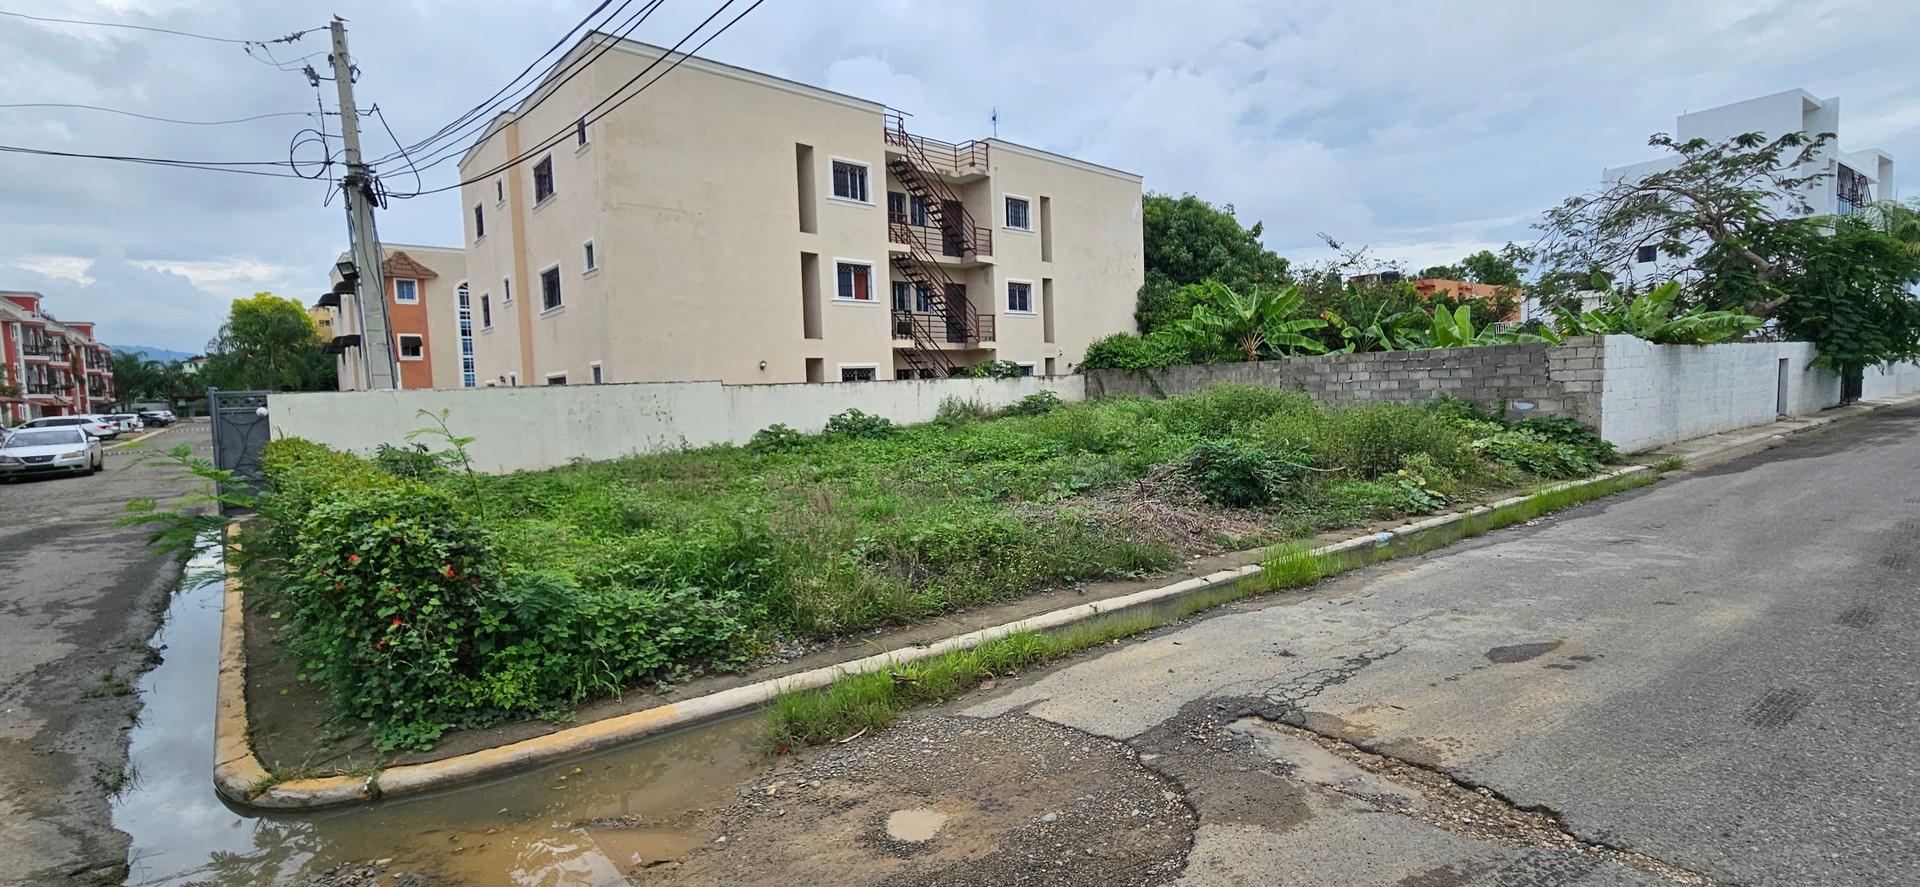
{"x": 1710, "y": 680}
{"x": 78, "y": 602}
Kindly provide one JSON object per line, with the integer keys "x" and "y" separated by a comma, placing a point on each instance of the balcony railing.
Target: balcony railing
{"x": 37, "y": 349}
{"x": 943, "y": 157}
{"x": 946, "y": 327}
{"x": 900, "y": 229}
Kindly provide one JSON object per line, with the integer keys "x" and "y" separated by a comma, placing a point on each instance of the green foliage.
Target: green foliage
{"x": 1237, "y": 474}
{"x": 1854, "y": 295}
{"x": 1562, "y": 430}
{"x": 192, "y": 519}
{"x": 861, "y": 426}
{"x": 991, "y": 369}
{"x": 268, "y": 343}
{"x": 1655, "y": 317}
{"x": 413, "y": 460}
{"x": 1536, "y": 455}
{"x": 1038, "y": 404}
{"x": 1374, "y": 439}
{"x": 1189, "y": 241}
{"x": 1454, "y": 329}
{"x": 778, "y": 438}
{"x": 1162, "y": 348}
{"x": 1259, "y": 322}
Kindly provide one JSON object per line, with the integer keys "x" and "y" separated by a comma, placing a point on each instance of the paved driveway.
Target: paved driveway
{"x": 78, "y": 601}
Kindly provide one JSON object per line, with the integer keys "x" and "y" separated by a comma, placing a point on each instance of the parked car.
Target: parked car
{"x": 62, "y": 449}
{"x": 157, "y": 418}
{"x": 125, "y": 421}
{"x": 90, "y": 424}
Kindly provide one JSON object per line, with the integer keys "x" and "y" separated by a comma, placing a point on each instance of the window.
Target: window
{"x": 513, "y": 380}
{"x": 591, "y": 265}
{"x": 580, "y": 133}
{"x": 464, "y": 298}
{"x": 922, "y": 298}
{"x": 406, "y": 292}
{"x": 499, "y": 191}
{"x": 486, "y": 311}
{"x": 598, "y": 377}
{"x": 412, "y": 347}
{"x": 479, "y": 222}
{"x": 557, "y": 379}
{"x": 1646, "y": 254}
{"x": 902, "y": 291}
{"x": 856, "y": 282}
{"x": 550, "y": 288}
{"x": 858, "y": 374}
{"x": 850, "y": 180}
{"x": 506, "y": 291}
{"x": 1020, "y": 297}
{"x": 1026, "y": 369}
{"x": 1019, "y": 214}
{"x": 543, "y": 179}
{"x": 896, "y": 207}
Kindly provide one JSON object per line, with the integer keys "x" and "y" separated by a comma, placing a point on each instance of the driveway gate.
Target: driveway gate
{"x": 240, "y": 436}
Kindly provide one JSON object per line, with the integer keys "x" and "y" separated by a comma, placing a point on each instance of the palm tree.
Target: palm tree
{"x": 1901, "y": 221}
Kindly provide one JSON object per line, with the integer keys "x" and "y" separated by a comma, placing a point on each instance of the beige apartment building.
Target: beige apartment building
{"x": 429, "y": 310}
{"x": 727, "y": 225}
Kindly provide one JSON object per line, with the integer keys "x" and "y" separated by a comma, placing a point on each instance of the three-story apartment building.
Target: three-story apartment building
{"x": 51, "y": 367}
{"x": 725, "y": 224}
{"x": 428, "y": 308}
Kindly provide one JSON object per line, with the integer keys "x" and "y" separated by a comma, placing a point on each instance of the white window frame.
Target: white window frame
{"x": 559, "y": 280}
{"x": 486, "y": 303}
{"x": 513, "y": 380}
{"x": 562, "y": 376}
{"x": 591, "y": 258}
{"x": 858, "y": 366}
{"x": 597, "y": 373}
{"x": 1007, "y": 223}
{"x": 1032, "y": 293}
{"x": 400, "y": 353}
{"x": 873, "y": 284}
{"x": 397, "y": 300}
{"x": 506, "y": 291}
{"x": 1028, "y": 368}
{"x": 868, "y": 167}
{"x": 580, "y": 139}
{"x": 499, "y": 192}
{"x": 479, "y": 222}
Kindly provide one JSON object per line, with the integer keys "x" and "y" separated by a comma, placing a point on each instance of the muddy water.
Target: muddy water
{"x": 580, "y": 822}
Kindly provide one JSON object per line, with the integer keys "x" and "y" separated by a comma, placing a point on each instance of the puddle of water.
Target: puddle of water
{"x": 916, "y": 825}
{"x": 622, "y": 808}
{"x": 1311, "y": 763}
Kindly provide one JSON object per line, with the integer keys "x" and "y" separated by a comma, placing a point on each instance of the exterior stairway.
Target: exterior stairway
{"x": 953, "y": 320}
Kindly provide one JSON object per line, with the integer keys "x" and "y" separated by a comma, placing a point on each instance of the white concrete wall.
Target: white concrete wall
{"x": 1890, "y": 380}
{"x": 529, "y": 428}
{"x": 1653, "y": 395}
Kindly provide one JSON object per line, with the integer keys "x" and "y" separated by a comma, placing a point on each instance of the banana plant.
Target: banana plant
{"x": 1454, "y": 329}
{"x": 1381, "y": 330}
{"x": 1651, "y": 317}
{"x": 1259, "y": 321}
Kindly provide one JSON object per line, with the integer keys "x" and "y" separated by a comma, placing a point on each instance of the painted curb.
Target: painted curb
{"x": 237, "y": 772}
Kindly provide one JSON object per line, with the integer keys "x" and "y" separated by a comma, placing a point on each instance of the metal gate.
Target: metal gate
{"x": 240, "y": 436}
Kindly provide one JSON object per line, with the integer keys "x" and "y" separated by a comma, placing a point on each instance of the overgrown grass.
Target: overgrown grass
{"x": 425, "y": 597}
{"x": 874, "y": 700}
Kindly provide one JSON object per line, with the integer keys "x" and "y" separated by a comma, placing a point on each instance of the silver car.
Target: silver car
{"x": 66, "y": 450}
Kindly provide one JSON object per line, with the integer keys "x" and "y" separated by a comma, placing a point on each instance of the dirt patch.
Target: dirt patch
{"x": 941, "y": 800}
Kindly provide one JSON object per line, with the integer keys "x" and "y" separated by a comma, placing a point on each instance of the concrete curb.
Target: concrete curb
{"x": 237, "y": 773}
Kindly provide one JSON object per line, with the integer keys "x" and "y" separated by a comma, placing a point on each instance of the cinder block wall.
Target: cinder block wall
{"x": 1653, "y": 395}
{"x": 1526, "y": 380}
{"x": 1890, "y": 380}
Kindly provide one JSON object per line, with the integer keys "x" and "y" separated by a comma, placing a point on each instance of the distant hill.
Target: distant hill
{"x": 164, "y": 355}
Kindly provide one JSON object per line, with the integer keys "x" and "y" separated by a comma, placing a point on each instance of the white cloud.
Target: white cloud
{"x": 69, "y": 268}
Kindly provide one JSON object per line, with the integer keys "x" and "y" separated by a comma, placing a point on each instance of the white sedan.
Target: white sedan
{"x": 92, "y": 425}
{"x": 67, "y": 450}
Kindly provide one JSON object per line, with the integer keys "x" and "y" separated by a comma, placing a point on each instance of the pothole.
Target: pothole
{"x": 915, "y": 826}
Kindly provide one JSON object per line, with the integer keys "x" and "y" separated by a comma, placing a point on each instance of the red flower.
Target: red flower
{"x": 337, "y": 586}
{"x": 396, "y": 622}
{"x": 449, "y": 571}
{"x": 353, "y": 558}
{"x": 380, "y": 644}
{"x": 393, "y": 591}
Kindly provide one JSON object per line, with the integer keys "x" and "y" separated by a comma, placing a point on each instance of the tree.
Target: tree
{"x": 268, "y": 343}
{"x": 1712, "y": 205}
{"x": 1853, "y": 294}
{"x": 1188, "y": 242}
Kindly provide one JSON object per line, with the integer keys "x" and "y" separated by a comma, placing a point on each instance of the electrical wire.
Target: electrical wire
{"x": 396, "y": 141}
{"x": 69, "y": 21}
{"x": 161, "y": 119}
{"x": 595, "y": 113}
{"x": 232, "y": 166}
{"x": 453, "y": 137}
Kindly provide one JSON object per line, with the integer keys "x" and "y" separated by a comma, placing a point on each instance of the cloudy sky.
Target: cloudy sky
{"x": 1426, "y": 130}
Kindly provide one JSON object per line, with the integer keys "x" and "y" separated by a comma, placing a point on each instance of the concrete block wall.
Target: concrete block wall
{"x": 1653, "y": 395}
{"x": 1520, "y": 378}
{"x": 523, "y": 429}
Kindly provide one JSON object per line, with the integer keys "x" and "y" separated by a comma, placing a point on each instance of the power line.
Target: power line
{"x": 161, "y": 119}
{"x": 231, "y": 166}
{"x": 396, "y": 142}
{"x": 70, "y": 21}
{"x": 453, "y": 135}
{"x": 595, "y": 113}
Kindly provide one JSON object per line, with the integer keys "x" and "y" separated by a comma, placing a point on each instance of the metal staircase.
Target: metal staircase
{"x": 953, "y": 320}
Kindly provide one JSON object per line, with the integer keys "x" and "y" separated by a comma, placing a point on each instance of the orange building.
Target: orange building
{"x": 429, "y": 310}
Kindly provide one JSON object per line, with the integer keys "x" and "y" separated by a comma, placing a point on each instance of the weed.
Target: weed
{"x": 111, "y": 685}
{"x": 115, "y": 781}
{"x": 1671, "y": 463}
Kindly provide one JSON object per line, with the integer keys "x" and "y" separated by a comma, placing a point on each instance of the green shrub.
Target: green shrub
{"x": 1038, "y": 404}
{"x": 1126, "y": 351}
{"x": 1533, "y": 454}
{"x": 1237, "y": 474}
{"x": 1572, "y": 432}
{"x": 414, "y": 461}
{"x": 1223, "y": 409}
{"x": 862, "y": 426}
{"x": 991, "y": 369}
{"x": 775, "y": 439}
{"x": 1375, "y": 439}
{"x": 954, "y": 409}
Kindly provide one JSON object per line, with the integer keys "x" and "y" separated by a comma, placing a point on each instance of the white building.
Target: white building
{"x": 1845, "y": 180}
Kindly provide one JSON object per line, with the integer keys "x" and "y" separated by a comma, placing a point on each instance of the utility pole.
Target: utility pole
{"x": 376, "y": 339}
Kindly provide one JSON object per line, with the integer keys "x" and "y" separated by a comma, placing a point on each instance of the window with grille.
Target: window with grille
{"x": 543, "y": 179}
{"x": 1020, "y": 297}
{"x": 850, "y": 180}
{"x": 550, "y": 288}
{"x": 856, "y": 282}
